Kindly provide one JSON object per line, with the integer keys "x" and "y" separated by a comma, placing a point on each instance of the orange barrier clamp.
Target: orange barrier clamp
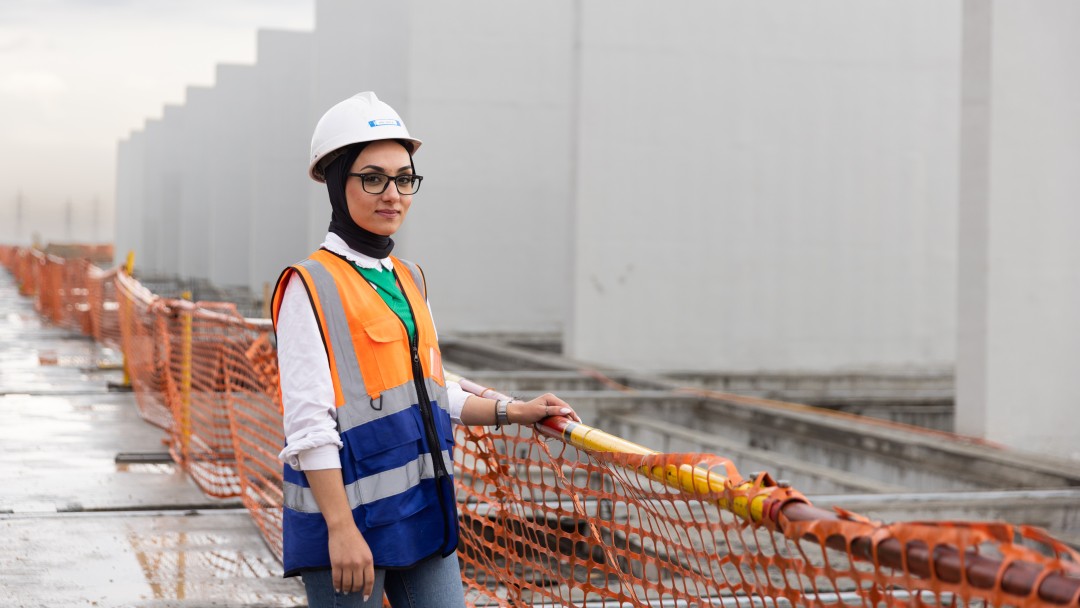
{"x": 556, "y": 514}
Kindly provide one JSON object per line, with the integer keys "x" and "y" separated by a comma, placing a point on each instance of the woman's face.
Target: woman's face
{"x": 379, "y": 213}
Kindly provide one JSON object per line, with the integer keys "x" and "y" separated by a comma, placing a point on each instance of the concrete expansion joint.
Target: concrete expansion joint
{"x": 143, "y": 458}
{"x": 32, "y": 510}
{"x": 50, "y": 393}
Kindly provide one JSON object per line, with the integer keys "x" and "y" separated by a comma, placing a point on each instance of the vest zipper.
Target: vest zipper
{"x": 425, "y": 412}
{"x": 434, "y": 447}
{"x": 434, "y": 443}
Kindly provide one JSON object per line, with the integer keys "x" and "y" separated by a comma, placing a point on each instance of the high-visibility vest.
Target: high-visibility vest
{"x": 397, "y": 459}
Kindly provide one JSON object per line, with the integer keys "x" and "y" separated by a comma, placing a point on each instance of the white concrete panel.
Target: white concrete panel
{"x": 361, "y": 46}
{"x": 279, "y": 203}
{"x": 492, "y": 99}
{"x": 129, "y": 210}
{"x": 767, "y": 187}
{"x": 122, "y": 199}
{"x": 231, "y": 174}
{"x": 171, "y": 183}
{"x": 198, "y": 140}
{"x": 358, "y": 46}
{"x": 150, "y": 256}
{"x": 973, "y": 247}
{"x": 1025, "y": 394}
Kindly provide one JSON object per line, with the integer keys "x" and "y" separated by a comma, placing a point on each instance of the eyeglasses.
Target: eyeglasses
{"x": 376, "y": 183}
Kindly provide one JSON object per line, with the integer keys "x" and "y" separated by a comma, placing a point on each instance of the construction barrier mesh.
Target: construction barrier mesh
{"x": 104, "y": 309}
{"x": 556, "y": 514}
{"x": 142, "y": 340}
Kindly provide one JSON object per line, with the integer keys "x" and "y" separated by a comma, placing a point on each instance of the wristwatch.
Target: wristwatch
{"x": 501, "y": 415}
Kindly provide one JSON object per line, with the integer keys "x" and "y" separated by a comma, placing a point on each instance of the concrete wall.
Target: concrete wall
{"x": 493, "y": 99}
{"x": 278, "y": 210}
{"x": 768, "y": 187}
{"x": 823, "y": 140}
{"x": 129, "y": 206}
{"x": 232, "y": 155}
{"x": 195, "y": 207}
{"x": 711, "y": 186}
{"x": 171, "y": 185}
{"x": 149, "y": 257}
{"x": 1019, "y": 278}
{"x": 494, "y": 208}
{"x": 351, "y": 53}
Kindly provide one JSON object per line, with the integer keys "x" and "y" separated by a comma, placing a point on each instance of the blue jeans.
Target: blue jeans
{"x": 433, "y": 583}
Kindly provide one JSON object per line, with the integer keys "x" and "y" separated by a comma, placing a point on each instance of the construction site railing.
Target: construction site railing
{"x": 556, "y": 514}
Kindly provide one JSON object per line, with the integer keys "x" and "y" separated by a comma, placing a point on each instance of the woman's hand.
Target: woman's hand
{"x": 529, "y": 412}
{"x": 351, "y": 564}
{"x": 351, "y": 561}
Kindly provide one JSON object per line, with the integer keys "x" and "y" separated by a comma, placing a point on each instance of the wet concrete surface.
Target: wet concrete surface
{"x": 78, "y": 528}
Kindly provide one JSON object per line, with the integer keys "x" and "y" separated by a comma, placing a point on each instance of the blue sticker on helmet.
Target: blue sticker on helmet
{"x": 384, "y": 122}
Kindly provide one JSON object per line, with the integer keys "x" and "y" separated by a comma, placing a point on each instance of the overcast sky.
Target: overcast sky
{"x": 78, "y": 75}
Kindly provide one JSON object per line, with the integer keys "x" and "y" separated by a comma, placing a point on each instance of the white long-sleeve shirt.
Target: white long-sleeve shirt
{"x": 307, "y": 391}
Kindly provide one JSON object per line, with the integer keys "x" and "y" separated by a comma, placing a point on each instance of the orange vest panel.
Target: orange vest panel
{"x": 379, "y": 337}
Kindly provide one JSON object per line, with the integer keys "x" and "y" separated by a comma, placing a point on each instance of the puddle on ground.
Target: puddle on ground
{"x": 97, "y": 408}
{"x": 200, "y": 564}
{"x": 153, "y": 561}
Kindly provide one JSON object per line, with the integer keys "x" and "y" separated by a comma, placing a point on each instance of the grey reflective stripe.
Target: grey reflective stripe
{"x": 438, "y": 393}
{"x": 418, "y": 277}
{"x": 391, "y": 401}
{"x": 371, "y": 488}
{"x": 337, "y": 326}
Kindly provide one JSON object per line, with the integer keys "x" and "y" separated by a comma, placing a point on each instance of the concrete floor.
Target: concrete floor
{"x": 77, "y": 528}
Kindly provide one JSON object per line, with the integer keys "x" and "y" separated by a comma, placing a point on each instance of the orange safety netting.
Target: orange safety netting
{"x": 174, "y": 353}
{"x": 104, "y": 309}
{"x": 145, "y": 357}
{"x": 71, "y": 293}
{"x": 255, "y": 421}
{"x": 559, "y": 514}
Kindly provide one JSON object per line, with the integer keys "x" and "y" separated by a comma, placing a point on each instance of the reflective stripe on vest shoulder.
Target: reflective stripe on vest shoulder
{"x": 337, "y": 326}
{"x": 417, "y": 276}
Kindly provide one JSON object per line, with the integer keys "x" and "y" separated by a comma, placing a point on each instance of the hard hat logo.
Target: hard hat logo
{"x": 359, "y": 119}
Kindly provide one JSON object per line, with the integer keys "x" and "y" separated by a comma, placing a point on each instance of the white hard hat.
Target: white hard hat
{"x": 359, "y": 118}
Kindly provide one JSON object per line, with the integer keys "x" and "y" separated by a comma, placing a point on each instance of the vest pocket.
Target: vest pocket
{"x": 387, "y": 362}
{"x": 388, "y": 459}
{"x": 386, "y": 512}
{"x": 385, "y": 444}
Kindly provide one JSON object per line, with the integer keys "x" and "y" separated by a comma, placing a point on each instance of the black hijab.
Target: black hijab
{"x": 341, "y": 223}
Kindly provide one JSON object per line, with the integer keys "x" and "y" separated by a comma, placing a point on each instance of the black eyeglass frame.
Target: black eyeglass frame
{"x": 417, "y": 179}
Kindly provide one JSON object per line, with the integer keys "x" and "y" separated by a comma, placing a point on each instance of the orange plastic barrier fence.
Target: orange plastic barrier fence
{"x": 629, "y": 524}
{"x": 74, "y": 293}
{"x": 559, "y": 514}
{"x": 103, "y": 307}
{"x": 175, "y": 357}
{"x": 255, "y": 421}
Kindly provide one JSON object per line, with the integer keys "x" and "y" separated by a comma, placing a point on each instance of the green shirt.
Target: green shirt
{"x": 386, "y": 285}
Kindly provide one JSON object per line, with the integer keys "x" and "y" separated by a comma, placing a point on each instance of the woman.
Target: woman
{"x": 369, "y": 492}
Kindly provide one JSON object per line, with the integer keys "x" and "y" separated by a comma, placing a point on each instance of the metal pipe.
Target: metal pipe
{"x": 949, "y": 564}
